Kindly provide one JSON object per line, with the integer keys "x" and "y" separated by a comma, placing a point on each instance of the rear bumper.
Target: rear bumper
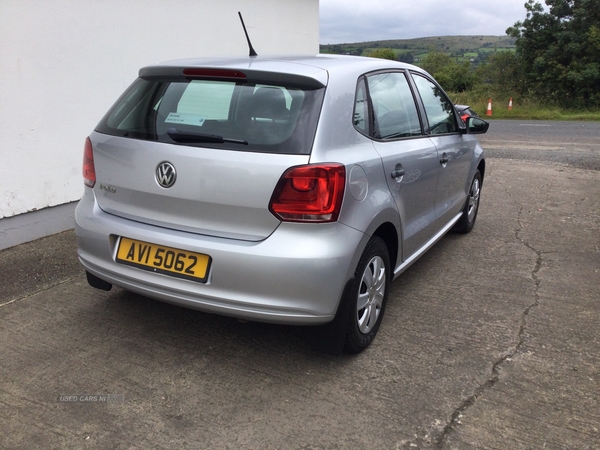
{"x": 295, "y": 276}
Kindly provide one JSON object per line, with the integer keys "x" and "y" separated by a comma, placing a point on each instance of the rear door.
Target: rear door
{"x": 410, "y": 159}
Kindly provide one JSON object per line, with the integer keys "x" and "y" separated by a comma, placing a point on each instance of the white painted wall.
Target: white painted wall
{"x": 64, "y": 62}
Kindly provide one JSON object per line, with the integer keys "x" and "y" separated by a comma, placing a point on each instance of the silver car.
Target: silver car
{"x": 290, "y": 191}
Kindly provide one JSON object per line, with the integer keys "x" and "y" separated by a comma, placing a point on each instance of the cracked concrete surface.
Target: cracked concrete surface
{"x": 459, "y": 413}
{"x": 524, "y": 404}
{"x": 490, "y": 341}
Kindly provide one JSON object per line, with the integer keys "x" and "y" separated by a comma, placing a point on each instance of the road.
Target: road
{"x": 573, "y": 143}
{"x": 490, "y": 341}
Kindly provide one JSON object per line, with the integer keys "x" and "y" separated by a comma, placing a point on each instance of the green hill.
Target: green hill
{"x": 473, "y": 48}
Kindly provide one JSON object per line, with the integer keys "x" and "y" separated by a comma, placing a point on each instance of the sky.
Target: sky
{"x": 349, "y": 21}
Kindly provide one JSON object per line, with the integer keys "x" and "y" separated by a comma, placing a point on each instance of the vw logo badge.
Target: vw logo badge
{"x": 166, "y": 174}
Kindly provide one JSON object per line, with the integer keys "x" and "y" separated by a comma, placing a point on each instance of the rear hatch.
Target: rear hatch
{"x": 202, "y": 149}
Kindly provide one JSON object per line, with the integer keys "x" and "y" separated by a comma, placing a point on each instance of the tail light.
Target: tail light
{"x": 89, "y": 172}
{"x": 311, "y": 193}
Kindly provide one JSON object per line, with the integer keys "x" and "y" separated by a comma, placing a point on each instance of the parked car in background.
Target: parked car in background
{"x": 465, "y": 112}
{"x": 288, "y": 191}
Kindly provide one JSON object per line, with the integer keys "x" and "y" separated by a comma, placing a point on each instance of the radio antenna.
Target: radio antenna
{"x": 253, "y": 54}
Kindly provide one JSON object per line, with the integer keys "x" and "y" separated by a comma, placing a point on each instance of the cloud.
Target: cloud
{"x": 344, "y": 21}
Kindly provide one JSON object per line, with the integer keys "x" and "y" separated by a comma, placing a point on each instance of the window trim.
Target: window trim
{"x": 425, "y": 124}
{"x": 416, "y": 98}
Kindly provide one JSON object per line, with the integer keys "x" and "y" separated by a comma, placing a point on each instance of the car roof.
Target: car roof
{"x": 318, "y": 67}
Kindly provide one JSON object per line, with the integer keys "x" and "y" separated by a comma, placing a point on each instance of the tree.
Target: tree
{"x": 502, "y": 71}
{"x": 451, "y": 75}
{"x": 456, "y": 77}
{"x": 435, "y": 61}
{"x": 559, "y": 51}
{"x": 407, "y": 58}
{"x": 383, "y": 53}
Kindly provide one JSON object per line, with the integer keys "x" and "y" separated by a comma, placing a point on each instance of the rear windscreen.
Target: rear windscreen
{"x": 221, "y": 114}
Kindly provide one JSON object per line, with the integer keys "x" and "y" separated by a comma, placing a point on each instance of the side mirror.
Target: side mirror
{"x": 475, "y": 125}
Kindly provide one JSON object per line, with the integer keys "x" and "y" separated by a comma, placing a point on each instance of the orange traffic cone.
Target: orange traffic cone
{"x": 510, "y": 104}
{"x": 489, "y": 109}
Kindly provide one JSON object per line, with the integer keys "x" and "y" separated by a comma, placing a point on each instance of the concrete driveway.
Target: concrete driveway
{"x": 490, "y": 341}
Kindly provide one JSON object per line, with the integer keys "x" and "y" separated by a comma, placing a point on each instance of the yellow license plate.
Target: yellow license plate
{"x": 165, "y": 260}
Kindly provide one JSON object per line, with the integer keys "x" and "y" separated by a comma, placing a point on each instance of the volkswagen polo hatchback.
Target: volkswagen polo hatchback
{"x": 288, "y": 191}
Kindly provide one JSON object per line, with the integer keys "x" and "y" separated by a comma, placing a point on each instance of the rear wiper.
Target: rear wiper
{"x": 190, "y": 137}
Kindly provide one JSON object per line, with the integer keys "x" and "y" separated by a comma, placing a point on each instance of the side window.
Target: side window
{"x": 394, "y": 106}
{"x": 361, "y": 108}
{"x": 440, "y": 111}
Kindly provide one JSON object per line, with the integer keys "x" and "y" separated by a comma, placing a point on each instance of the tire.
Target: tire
{"x": 368, "y": 296}
{"x": 471, "y": 208}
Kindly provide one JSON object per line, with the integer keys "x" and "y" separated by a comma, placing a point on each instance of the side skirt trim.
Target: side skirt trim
{"x": 406, "y": 264}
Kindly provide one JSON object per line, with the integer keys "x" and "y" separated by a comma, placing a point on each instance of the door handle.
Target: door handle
{"x": 398, "y": 171}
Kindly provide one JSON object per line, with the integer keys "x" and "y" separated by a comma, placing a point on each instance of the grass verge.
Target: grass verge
{"x": 522, "y": 109}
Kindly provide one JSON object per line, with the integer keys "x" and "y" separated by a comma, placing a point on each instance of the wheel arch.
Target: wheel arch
{"x": 481, "y": 168}
{"x": 387, "y": 231}
{"x": 387, "y": 225}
